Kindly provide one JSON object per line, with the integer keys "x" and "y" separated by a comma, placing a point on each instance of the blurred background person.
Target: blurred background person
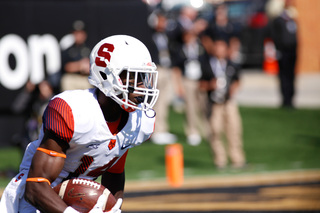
{"x": 220, "y": 77}
{"x": 284, "y": 35}
{"x": 221, "y": 26}
{"x": 185, "y": 51}
{"x": 161, "y": 56}
{"x": 75, "y": 60}
{"x": 31, "y": 103}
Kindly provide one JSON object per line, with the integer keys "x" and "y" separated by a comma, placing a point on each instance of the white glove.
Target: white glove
{"x": 69, "y": 209}
{"x": 101, "y": 202}
{"x": 116, "y": 207}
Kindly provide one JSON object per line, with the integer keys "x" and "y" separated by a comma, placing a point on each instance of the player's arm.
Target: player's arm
{"x": 47, "y": 164}
{"x": 48, "y": 161}
{"x": 114, "y": 182}
{"x": 114, "y": 178}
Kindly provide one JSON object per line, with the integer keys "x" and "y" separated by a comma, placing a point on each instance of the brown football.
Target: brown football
{"x": 83, "y": 194}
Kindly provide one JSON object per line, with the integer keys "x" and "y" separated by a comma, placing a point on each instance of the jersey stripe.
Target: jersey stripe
{"x": 58, "y": 118}
{"x": 85, "y": 163}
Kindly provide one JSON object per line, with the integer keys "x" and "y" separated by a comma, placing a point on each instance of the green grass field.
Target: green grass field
{"x": 274, "y": 140}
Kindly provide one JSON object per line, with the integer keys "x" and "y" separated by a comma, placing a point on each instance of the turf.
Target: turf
{"x": 274, "y": 140}
{"x": 282, "y": 139}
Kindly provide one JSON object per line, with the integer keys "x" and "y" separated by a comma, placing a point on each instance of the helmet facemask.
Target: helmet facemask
{"x": 141, "y": 83}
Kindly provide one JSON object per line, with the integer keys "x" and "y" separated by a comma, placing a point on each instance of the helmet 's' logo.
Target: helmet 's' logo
{"x": 102, "y": 54}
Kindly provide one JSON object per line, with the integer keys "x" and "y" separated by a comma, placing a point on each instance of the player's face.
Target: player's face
{"x": 135, "y": 98}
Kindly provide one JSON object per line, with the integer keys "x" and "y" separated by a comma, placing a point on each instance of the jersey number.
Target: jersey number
{"x": 102, "y": 55}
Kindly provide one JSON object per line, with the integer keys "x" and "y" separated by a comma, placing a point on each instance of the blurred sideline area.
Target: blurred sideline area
{"x": 32, "y": 35}
{"x": 261, "y": 89}
{"x": 31, "y": 38}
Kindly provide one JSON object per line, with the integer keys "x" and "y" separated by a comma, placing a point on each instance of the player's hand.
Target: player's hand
{"x": 116, "y": 207}
{"x": 100, "y": 203}
{"x": 69, "y": 210}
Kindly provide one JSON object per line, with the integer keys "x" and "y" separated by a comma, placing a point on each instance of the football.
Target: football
{"x": 82, "y": 194}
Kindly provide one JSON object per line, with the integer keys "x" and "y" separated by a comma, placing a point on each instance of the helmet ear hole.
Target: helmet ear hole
{"x": 103, "y": 75}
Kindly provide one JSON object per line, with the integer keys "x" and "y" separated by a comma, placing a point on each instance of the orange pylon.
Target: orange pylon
{"x": 174, "y": 164}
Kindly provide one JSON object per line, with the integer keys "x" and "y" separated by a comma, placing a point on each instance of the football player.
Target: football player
{"x": 87, "y": 133}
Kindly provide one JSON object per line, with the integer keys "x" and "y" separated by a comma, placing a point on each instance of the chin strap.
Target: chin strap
{"x": 127, "y": 108}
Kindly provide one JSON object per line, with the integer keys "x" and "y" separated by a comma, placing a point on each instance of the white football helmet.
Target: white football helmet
{"x": 118, "y": 53}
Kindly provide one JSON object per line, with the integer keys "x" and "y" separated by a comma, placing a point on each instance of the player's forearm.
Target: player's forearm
{"x": 114, "y": 182}
{"x": 119, "y": 194}
{"x": 44, "y": 198}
